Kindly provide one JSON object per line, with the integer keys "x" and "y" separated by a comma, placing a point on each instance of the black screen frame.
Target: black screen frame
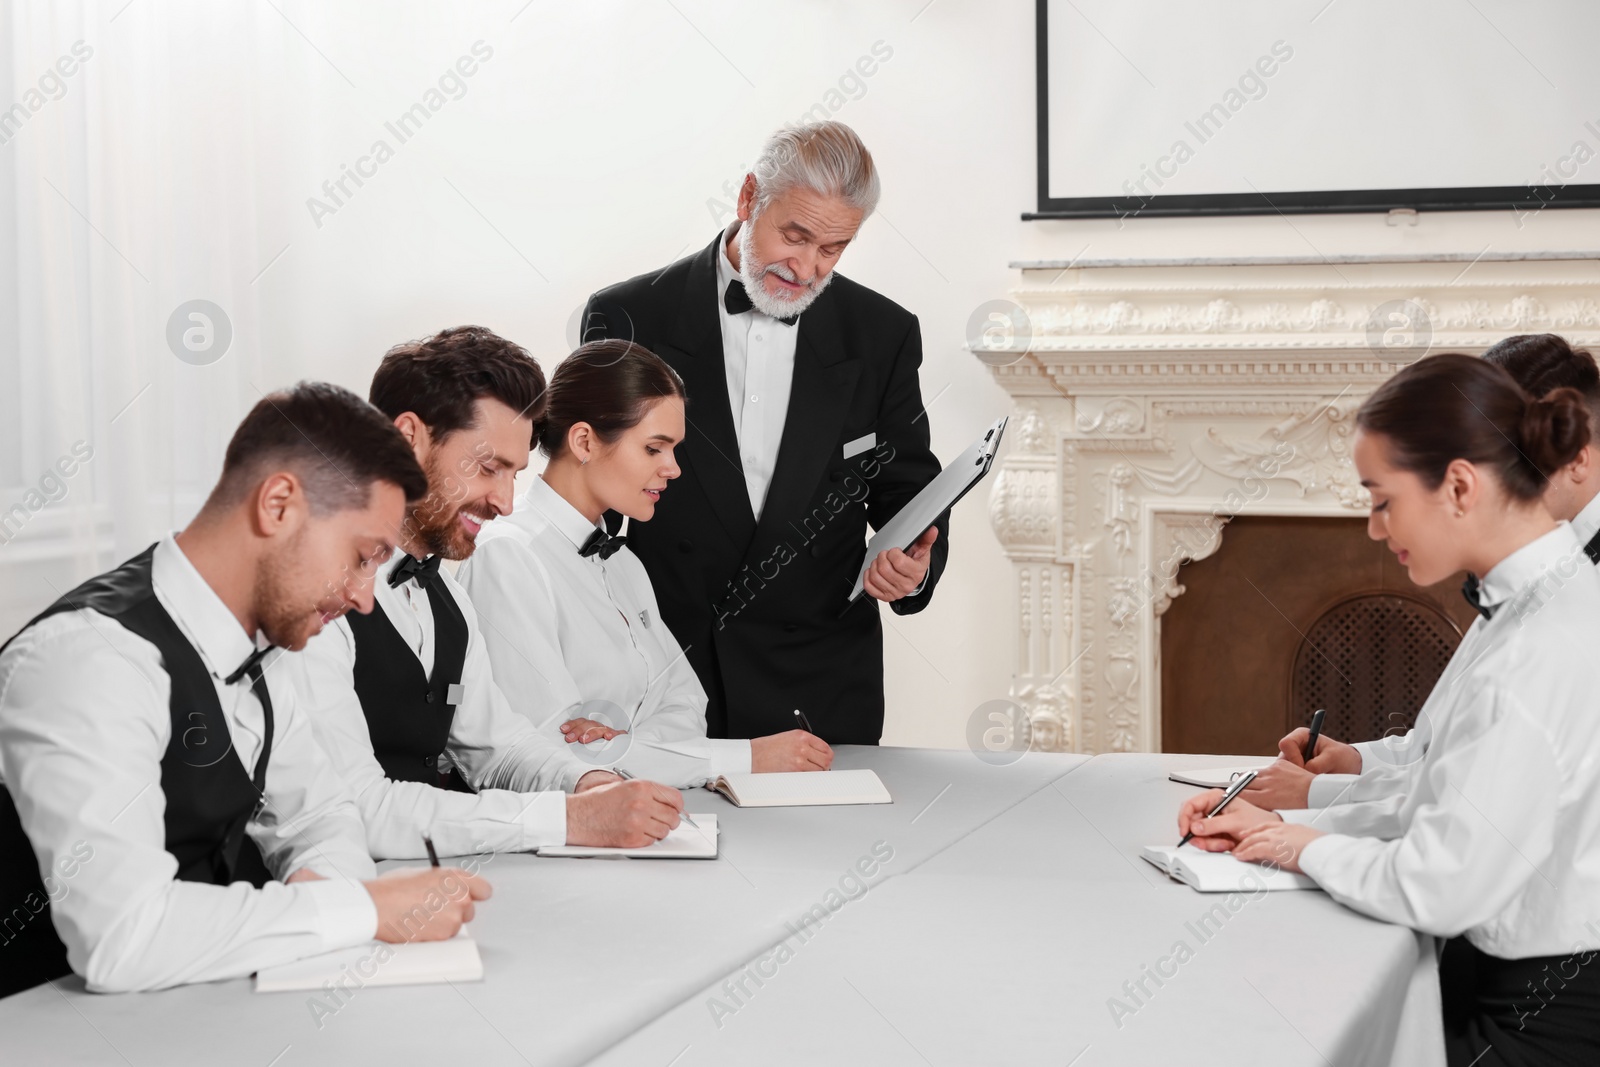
{"x": 1524, "y": 199}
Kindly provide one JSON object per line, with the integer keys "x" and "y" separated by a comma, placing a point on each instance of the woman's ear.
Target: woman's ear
{"x": 581, "y": 441}
{"x": 1585, "y": 466}
{"x": 1462, "y": 486}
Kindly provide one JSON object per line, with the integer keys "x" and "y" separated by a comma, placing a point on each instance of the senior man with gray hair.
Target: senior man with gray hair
{"x": 806, "y": 424}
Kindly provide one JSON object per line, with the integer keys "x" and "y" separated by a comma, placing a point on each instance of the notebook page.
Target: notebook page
{"x": 1220, "y": 872}
{"x": 379, "y": 964}
{"x": 793, "y": 788}
{"x": 683, "y": 843}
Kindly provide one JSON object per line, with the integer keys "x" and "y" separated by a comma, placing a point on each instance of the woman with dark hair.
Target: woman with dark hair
{"x": 1497, "y": 841}
{"x": 1341, "y": 773}
{"x": 572, "y": 626}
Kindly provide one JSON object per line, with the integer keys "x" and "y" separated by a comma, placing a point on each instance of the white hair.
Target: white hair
{"x": 825, "y": 157}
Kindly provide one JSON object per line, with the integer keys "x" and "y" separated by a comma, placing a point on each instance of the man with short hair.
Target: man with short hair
{"x": 149, "y": 745}
{"x": 806, "y": 424}
{"x": 405, "y": 699}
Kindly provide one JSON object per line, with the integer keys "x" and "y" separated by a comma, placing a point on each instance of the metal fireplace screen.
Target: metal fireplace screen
{"x": 1370, "y": 659}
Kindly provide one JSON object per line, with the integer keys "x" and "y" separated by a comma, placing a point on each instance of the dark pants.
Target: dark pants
{"x": 1520, "y": 1013}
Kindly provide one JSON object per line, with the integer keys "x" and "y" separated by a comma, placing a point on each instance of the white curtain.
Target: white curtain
{"x": 127, "y": 174}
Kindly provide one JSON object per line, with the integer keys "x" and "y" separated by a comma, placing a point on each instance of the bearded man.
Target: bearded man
{"x": 805, "y": 425}
{"x": 405, "y": 697}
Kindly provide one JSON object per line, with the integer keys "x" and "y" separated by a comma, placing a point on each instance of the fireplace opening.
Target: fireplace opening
{"x": 1292, "y": 614}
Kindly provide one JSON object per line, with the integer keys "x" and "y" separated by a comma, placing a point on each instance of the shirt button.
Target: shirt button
{"x": 754, "y": 398}
{"x": 758, "y": 337}
{"x": 430, "y": 697}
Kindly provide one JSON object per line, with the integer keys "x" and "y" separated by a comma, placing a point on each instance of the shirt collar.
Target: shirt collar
{"x": 726, "y": 272}
{"x": 1557, "y": 551}
{"x": 205, "y": 620}
{"x": 559, "y": 512}
{"x": 1586, "y": 523}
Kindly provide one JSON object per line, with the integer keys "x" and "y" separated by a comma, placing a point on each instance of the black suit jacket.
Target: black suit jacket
{"x": 758, "y": 605}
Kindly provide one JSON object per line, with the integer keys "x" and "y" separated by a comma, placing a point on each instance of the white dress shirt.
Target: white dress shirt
{"x": 519, "y": 775}
{"x": 1388, "y": 763}
{"x": 570, "y": 634}
{"x": 758, "y": 356}
{"x": 1499, "y": 835}
{"x": 84, "y": 724}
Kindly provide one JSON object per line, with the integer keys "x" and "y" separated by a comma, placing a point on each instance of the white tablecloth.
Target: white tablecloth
{"x": 1013, "y": 910}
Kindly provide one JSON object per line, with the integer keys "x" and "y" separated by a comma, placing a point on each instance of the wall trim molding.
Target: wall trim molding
{"x": 1153, "y": 402}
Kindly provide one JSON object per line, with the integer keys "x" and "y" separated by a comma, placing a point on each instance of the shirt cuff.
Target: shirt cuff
{"x": 1322, "y": 855}
{"x": 1367, "y": 750}
{"x": 544, "y": 820}
{"x": 728, "y": 756}
{"x": 574, "y": 770}
{"x": 1329, "y": 789}
{"x": 346, "y": 914}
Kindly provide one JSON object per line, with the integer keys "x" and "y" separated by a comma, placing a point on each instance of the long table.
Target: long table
{"x": 992, "y": 914}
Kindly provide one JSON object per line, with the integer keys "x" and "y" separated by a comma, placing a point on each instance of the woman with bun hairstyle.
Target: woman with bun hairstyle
{"x": 568, "y": 615}
{"x": 1496, "y": 843}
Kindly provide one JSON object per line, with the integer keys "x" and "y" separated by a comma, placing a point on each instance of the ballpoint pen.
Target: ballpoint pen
{"x": 805, "y": 724}
{"x": 1316, "y": 731}
{"x": 1234, "y": 790}
{"x": 620, "y": 773}
{"x": 433, "y": 857}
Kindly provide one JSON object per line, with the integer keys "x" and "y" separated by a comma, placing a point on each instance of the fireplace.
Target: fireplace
{"x": 1159, "y": 405}
{"x": 1293, "y": 614}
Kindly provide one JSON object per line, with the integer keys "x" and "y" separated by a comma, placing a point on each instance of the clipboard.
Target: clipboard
{"x": 936, "y": 498}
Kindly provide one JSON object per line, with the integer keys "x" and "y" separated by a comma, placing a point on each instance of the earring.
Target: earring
{"x": 1459, "y": 513}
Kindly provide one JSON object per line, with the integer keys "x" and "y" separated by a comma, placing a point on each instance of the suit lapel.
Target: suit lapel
{"x": 711, "y": 450}
{"x": 824, "y": 380}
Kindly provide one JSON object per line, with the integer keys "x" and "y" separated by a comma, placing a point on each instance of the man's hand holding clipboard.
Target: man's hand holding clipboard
{"x": 912, "y": 530}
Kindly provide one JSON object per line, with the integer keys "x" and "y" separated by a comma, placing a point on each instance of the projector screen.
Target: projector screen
{"x": 1178, "y": 107}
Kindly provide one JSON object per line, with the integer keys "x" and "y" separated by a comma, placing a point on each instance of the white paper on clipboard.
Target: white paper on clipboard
{"x": 937, "y": 497}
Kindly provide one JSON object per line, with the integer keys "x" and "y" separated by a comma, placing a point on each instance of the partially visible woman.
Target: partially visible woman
{"x": 1496, "y": 843}
{"x": 567, "y": 611}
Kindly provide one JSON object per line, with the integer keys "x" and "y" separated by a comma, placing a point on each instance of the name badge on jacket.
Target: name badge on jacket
{"x": 860, "y": 445}
{"x": 455, "y": 694}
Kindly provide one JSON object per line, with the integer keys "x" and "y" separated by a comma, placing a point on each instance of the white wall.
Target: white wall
{"x": 583, "y": 151}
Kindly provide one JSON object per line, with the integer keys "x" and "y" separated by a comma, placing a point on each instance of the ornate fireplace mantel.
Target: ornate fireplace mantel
{"x": 1154, "y": 400}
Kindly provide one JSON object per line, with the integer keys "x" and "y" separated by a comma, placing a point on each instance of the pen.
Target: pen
{"x": 805, "y": 723}
{"x": 1316, "y": 730}
{"x": 433, "y": 857}
{"x": 1227, "y": 798}
{"x": 625, "y": 776}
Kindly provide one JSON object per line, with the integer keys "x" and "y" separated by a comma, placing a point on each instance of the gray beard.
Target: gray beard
{"x": 751, "y": 274}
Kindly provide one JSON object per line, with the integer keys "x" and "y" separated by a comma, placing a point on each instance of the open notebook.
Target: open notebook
{"x": 1215, "y": 777}
{"x": 1219, "y": 872}
{"x": 787, "y": 789}
{"x": 684, "y": 843}
{"x": 376, "y": 963}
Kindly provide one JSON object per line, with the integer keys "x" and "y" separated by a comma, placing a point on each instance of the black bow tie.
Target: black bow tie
{"x": 602, "y": 543}
{"x": 251, "y": 661}
{"x": 737, "y": 301}
{"x": 423, "y": 570}
{"x": 1469, "y": 591}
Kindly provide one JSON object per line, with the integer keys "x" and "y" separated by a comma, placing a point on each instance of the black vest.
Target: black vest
{"x": 209, "y": 797}
{"x": 408, "y": 713}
